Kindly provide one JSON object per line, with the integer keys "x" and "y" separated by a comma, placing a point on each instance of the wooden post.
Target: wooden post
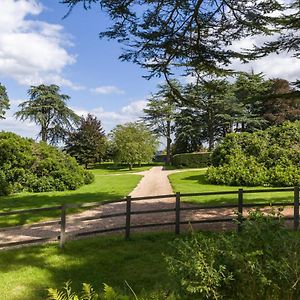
{"x": 240, "y": 209}
{"x": 177, "y": 214}
{"x": 63, "y": 226}
{"x": 296, "y": 208}
{"x": 128, "y": 215}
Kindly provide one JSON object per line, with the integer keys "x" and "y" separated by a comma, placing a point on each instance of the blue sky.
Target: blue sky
{"x": 38, "y": 46}
{"x": 85, "y": 67}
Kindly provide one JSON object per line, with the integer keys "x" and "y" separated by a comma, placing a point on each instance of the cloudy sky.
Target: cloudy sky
{"x": 38, "y": 46}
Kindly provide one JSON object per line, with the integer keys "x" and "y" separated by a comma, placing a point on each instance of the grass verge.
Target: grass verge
{"x": 26, "y": 273}
{"x": 195, "y": 182}
{"x": 103, "y": 188}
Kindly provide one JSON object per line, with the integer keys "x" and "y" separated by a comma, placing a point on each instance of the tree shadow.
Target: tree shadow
{"x": 96, "y": 260}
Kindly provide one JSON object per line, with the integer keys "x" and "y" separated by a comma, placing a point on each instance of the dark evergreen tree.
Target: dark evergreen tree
{"x": 4, "y": 101}
{"x": 47, "y": 107}
{"x": 188, "y": 131}
{"x": 192, "y": 34}
{"x": 88, "y": 143}
{"x": 160, "y": 114}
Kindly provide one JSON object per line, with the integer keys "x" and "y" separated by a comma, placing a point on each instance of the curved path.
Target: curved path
{"x": 155, "y": 182}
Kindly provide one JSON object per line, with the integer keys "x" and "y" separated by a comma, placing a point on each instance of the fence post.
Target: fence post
{"x": 177, "y": 214}
{"x": 63, "y": 226}
{"x": 296, "y": 207}
{"x": 240, "y": 209}
{"x": 128, "y": 215}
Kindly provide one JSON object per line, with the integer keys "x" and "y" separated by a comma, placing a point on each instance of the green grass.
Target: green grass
{"x": 194, "y": 182}
{"x": 26, "y": 273}
{"x": 110, "y": 168}
{"x": 103, "y": 188}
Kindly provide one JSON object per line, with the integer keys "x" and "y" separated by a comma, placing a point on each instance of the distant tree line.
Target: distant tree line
{"x": 209, "y": 110}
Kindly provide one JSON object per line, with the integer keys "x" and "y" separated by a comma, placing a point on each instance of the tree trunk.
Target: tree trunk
{"x": 130, "y": 166}
{"x": 44, "y": 134}
{"x": 168, "y": 160}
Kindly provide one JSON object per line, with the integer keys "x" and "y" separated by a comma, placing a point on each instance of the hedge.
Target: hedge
{"x": 192, "y": 160}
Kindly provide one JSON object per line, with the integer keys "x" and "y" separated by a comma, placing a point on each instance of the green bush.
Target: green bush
{"x": 191, "y": 160}
{"x": 261, "y": 262}
{"x": 37, "y": 167}
{"x": 270, "y": 157}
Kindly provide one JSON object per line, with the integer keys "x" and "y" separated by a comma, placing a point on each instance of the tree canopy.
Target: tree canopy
{"x": 47, "y": 108}
{"x": 133, "y": 143}
{"x": 193, "y": 34}
{"x": 88, "y": 143}
{"x": 4, "y": 101}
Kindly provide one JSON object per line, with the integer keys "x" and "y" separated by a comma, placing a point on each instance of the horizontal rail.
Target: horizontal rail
{"x": 209, "y": 207}
{"x": 152, "y": 225}
{"x": 153, "y": 211}
{"x": 221, "y": 220}
{"x": 153, "y": 197}
{"x": 94, "y": 204}
{"x": 26, "y": 211}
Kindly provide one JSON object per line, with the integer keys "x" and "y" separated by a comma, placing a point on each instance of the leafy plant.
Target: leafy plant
{"x": 261, "y": 262}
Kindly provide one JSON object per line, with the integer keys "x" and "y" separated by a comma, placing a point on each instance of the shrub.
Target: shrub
{"x": 270, "y": 157}
{"x": 261, "y": 262}
{"x": 191, "y": 160}
{"x": 37, "y": 167}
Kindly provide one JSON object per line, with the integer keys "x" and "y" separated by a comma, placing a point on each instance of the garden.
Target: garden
{"x": 207, "y": 128}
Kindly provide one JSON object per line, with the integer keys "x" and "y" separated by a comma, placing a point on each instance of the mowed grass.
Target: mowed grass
{"x": 103, "y": 188}
{"x": 110, "y": 168}
{"x": 195, "y": 182}
{"x": 27, "y": 273}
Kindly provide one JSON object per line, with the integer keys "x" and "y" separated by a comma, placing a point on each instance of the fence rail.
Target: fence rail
{"x": 128, "y": 213}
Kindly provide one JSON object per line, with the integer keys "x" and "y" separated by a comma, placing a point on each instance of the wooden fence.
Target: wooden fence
{"x": 128, "y": 213}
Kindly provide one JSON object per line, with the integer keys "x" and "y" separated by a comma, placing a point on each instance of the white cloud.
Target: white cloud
{"x": 107, "y": 89}
{"x": 32, "y": 52}
{"x": 129, "y": 113}
{"x": 135, "y": 108}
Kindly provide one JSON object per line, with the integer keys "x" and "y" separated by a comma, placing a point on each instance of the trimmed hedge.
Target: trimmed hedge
{"x": 27, "y": 166}
{"x": 192, "y": 160}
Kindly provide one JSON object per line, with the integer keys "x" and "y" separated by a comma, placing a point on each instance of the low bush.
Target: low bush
{"x": 261, "y": 262}
{"x": 37, "y": 167}
{"x": 270, "y": 157}
{"x": 191, "y": 160}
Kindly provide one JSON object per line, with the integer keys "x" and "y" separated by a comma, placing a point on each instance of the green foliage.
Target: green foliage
{"x": 192, "y": 160}
{"x": 88, "y": 143}
{"x": 88, "y": 293}
{"x": 133, "y": 143}
{"x": 37, "y": 167}
{"x": 270, "y": 157}
{"x": 261, "y": 262}
{"x": 48, "y": 109}
{"x": 4, "y": 101}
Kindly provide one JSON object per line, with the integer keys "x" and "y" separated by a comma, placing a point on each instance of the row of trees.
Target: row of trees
{"x": 207, "y": 111}
{"x": 83, "y": 137}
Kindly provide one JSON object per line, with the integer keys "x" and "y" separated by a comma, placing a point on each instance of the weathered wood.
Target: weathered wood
{"x": 177, "y": 214}
{"x": 296, "y": 208}
{"x": 62, "y": 239}
{"x": 128, "y": 217}
{"x": 240, "y": 209}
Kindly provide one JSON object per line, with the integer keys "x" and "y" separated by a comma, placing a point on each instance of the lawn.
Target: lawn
{"x": 26, "y": 273}
{"x": 103, "y": 188}
{"x": 110, "y": 168}
{"x": 194, "y": 182}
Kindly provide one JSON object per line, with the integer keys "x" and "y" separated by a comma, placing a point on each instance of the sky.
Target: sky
{"x": 38, "y": 45}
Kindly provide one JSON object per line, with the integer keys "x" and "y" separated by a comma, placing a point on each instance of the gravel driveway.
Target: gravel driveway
{"x": 155, "y": 182}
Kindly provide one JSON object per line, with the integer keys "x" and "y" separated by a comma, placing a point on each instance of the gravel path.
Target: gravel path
{"x": 155, "y": 182}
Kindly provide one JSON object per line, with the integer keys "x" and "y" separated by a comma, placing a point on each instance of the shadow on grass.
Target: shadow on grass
{"x": 27, "y": 273}
{"x": 45, "y": 200}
